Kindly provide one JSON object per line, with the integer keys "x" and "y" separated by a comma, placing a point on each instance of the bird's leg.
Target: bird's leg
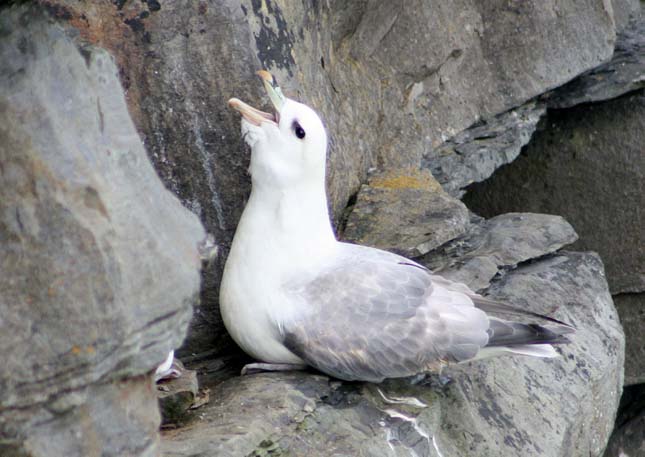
{"x": 252, "y": 368}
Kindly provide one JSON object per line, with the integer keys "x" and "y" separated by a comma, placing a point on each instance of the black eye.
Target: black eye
{"x": 299, "y": 131}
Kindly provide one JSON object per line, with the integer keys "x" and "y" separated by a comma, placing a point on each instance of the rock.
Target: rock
{"x": 628, "y": 439}
{"x": 474, "y": 154}
{"x": 625, "y": 11}
{"x": 391, "y": 81}
{"x": 589, "y": 167}
{"x": 624, "y": 73}
{"x": 384, "y": 217}
{"x": 631, "y": 309}
{"x": 177, "y": 395}
{"x": 507, "y": 406}
{"x": 99, "y": 264}
{"x": 499, "y": 243}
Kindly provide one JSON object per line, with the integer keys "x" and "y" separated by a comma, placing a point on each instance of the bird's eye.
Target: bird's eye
{"x": 299, "y": 131}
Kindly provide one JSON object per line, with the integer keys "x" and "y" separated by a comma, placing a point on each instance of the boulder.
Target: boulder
{"x": 99, "y": 263}
{"x": 406, "y": 212}
{"x": 507, "y": 406}
{"x": 392, "y": 80}
{"x": 498, "y": 244}
{"x": 589, "y": 167}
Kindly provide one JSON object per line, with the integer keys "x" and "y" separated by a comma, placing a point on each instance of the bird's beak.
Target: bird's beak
{"x": 255, "y": 116}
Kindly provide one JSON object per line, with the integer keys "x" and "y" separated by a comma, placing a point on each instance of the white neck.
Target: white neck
{"x": 290, "y": 225}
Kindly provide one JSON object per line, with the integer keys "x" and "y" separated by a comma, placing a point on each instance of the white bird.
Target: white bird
{"x": 292, "y": 295}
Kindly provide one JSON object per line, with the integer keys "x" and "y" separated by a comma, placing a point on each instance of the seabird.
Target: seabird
{"x": 292, "y": 295}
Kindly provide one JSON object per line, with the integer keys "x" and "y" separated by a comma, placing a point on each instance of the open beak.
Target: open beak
{"x": 254, "y": 115}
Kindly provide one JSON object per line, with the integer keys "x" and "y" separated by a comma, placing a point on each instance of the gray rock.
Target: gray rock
{"x": 474, "y": 154}
{"x": 587, "y": 165}
{"x": 392, "y": 80}
{"x": 631, "y": 309}
{"x": 499, "y": 243}
{"x": 406, "y": 212}
{"x": 503, "y": 407}
{"x": 625, "y": 11}
{"x": 624, "y": 73}
{"x": 99, "y": 264}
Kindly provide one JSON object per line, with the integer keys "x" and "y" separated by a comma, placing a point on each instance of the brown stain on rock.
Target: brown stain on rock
{"x": 121, "y": 31}
{"x": 406, "y": 178}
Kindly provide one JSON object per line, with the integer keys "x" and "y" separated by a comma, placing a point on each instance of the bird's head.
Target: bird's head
{"x": 288, "y": 148}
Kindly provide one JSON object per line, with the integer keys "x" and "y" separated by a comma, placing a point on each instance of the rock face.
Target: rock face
{"x": 622, "y": 74}
{"x": 474, "y": 154}
{"x": 504, "y": 407}
{"x": 392, "y": 81}
{"x": 99, "y": 264}
{"x": 397, "y": 83}
{"x": 631, "y": 309}
{"x": 573, "y": 169}
{"x": 498, "y": 244}
{"x": 628, "y": 439}
{"x": 406, "y": 212}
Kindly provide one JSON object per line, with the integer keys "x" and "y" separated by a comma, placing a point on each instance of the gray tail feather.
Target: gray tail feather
{"x": 505, "y": 333}
{"x": 493, "y": 306}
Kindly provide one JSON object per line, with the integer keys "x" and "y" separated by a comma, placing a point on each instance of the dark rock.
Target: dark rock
{"x": 507, "y": 406}
{"x": 628, "y": 439}
{"x": 99, "y": 263}
{"x": 499, "y": 243}
{"x": 391, "y": 81}
{"x": 177, "y": 395}
{"x": 474, "y": 154}
{"x": 624, "y": 73}
{"x": 588, "y": 166}
{"x": 631, "y": 309}
{"x": 406, "y": 212}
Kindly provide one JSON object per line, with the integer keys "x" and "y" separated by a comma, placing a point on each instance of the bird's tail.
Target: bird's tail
{"x": 527, "y": 339}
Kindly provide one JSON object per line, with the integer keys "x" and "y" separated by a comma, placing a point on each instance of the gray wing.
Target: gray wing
{"x": 375, "y": 315}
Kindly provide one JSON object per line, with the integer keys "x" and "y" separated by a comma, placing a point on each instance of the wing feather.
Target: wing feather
{"x": 384, "y": 318}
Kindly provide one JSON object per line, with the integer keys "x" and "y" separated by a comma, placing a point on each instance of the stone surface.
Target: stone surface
{"x": 177, "y": 395}
{"x": 503, "y": 407}
{"x": 631, "y": 309}
{"x": 628, "y": 439}
{"x": 99, "y": 263}
{"x": 624, "y": 73}
{"x": 589, "y": 167}
{"x": 497, "y": 244}
{"x": 625, "y": 11}
{"x": 474, "y": 154}
{"x": 392, "y": 80}
{"x": 406, "y": 212}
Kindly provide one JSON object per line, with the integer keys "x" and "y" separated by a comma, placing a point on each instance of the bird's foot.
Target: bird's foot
{"x": 432, "y": 380}
{"x": 252, "y": 368}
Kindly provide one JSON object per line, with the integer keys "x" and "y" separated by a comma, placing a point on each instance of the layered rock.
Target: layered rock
{"x": 392, "y": 81}
{"x": 504, "y": 407}
{"x": 99, "y": 264}
{"x": 589, "y": 167}
{"x": 491, "y": 247}
{"x": 405, "y": 211}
